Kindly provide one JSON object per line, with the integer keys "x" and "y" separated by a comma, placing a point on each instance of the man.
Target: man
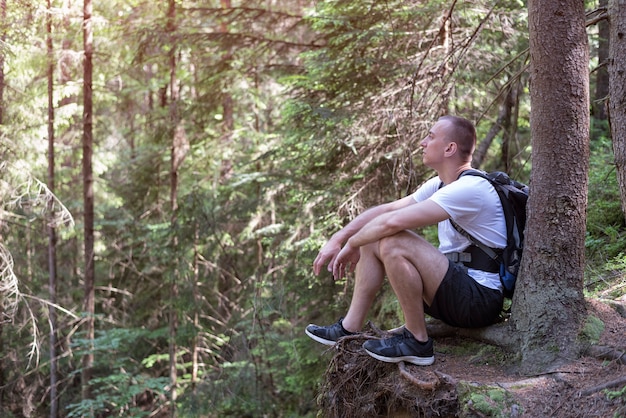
{"x": 426, "y": 280}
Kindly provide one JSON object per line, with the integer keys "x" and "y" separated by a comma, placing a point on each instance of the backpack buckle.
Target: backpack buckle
{"x": 459, "y": 257}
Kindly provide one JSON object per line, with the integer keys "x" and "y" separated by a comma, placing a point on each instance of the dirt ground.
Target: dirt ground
{"x": 574, "y": 390}
{"x": 474, "y": 382}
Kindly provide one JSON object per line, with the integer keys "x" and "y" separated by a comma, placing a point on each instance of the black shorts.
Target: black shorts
{"x": 460, "y": 301}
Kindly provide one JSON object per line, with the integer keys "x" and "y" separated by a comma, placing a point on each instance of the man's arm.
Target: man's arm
{"x": 419, "y": 215}
{"x": 386, "y": 224}
{"x": 329, "y": 251}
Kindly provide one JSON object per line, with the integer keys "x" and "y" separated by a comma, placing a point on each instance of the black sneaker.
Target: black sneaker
{"x": 401, "y": 347}
{"x": 327, "y": 335}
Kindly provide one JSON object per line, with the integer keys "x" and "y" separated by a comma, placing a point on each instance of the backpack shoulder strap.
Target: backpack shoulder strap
{"x": 486, "y": 249}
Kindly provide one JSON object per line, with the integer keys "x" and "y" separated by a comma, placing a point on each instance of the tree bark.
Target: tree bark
{"x": 178, "y": 139}
{"x": 88, "y": 197}
{"x": 227, "y": 105}
{"x": 602, "y": 74}
{"x": 617, "y": 95}
{"x": 52, "y": 238}
{"x": 548, "y": 306}
{"x": 3, "y": 14}
{"x": 507, "y": 123}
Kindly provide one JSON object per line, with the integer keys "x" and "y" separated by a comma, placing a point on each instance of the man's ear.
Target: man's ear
{"x": 451, "y": 149}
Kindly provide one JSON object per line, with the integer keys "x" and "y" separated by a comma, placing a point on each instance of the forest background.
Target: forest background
{"x": 157, "y": 242}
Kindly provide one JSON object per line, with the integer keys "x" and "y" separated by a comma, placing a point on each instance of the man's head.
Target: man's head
{"x": 451, "y": 137}
{"x": 461, "y": 131}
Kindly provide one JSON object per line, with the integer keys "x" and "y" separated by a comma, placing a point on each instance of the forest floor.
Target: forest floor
{"x": 472, "y": 379}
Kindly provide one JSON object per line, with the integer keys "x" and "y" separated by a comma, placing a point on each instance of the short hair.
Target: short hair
{"x": 463, "y": 133}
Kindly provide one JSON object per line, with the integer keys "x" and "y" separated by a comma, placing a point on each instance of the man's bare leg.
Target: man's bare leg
{"x": 415, "y": 270}
{"x": 369, "y": 278}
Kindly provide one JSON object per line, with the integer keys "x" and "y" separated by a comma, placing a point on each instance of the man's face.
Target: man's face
{"x": 435, "y": 144}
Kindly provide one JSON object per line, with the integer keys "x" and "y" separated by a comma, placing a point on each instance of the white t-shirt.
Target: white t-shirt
{"x": 474, "y": 205}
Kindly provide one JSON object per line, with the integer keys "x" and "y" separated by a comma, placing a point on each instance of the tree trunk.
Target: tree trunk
{"x": 224, "y": 282}
{"x": 507, "y": 123}
{"x": 227, "y": 105}
{"x": 598, "y": 105}
{"x": 176, "y": 160}
{"x": 3, "y": 14}
{"x": 52, "y": 238}
{"x": 195, "y": 309}
{"x": 548, "y": 306}
{"x": 89, "y": 302}
{"x": 617, "y": 95}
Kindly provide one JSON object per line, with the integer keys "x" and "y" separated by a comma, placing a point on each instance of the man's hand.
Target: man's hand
{"x": 347, "y": 257}
{"x": 327, "y": 254}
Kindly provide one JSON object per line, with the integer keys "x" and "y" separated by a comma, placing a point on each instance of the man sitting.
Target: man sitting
{"x": 380, "y": 243}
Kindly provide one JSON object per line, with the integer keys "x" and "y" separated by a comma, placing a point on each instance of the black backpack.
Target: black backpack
{"x": 513, "y": 196}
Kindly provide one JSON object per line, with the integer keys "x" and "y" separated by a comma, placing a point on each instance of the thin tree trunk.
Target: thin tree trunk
{"x": 89, "y": 298}
{"x": 507, "y": 116}
{"x": 224, "y": 282}
{"x": 617, "y": 95}
{"x": 227, "y": 105}
{"x": 176, "y": 160}
{"x": 3, "y": 14}
{"x": 196, "y": 301}
{"x": 52, "y": 238}
{"x": 602, "y": 74}
{"x": 509, "y": 126}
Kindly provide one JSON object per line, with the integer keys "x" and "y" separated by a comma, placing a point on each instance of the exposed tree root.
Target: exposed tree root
{"x": 598, "y": 388}
{"x": 421, "y": 384}
{"x": 356, "y": 385}
{"x": 359, "y": 385}
{"x": 499, "y": 335}
{"x": 607, "y": 353}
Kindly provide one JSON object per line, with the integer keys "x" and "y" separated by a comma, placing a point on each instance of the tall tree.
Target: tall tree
{"x": 602, "y": 73}
{"x": 617, "y": 99}
{"x": 52, "y": 237}
{"x": 88, "y": 200}
{"x": 3, "y": 14}
{"x": 549, "y": 305}
{"x": 177, "y": 135}
{"x": 3, "y": 36}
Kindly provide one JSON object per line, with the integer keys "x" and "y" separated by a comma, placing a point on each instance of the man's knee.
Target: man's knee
{"x": 398, "y": 245}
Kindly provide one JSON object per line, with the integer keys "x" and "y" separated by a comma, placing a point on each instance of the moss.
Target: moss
{"x": 592, "y": 330}
{"x": 478, "y": 353}
{"x": 491, "y": 401}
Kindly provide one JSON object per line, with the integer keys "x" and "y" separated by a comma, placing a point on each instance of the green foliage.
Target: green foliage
{"x": 118, "y": 394}
{"x": 269, "y": 376}
{"x": 294, "y": 121}
{"x": 606, "y": 237}
{"x": 605, "y": 219}
{"x": 126, "y": 378}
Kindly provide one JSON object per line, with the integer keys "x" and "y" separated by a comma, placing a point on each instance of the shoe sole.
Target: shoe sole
{"x": 319, "y": 339}
{"x": 418, "y": 361}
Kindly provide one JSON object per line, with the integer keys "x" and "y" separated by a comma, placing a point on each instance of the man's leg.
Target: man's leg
{"x": 415, "y": 269}
{"x": 369, "y": 278}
